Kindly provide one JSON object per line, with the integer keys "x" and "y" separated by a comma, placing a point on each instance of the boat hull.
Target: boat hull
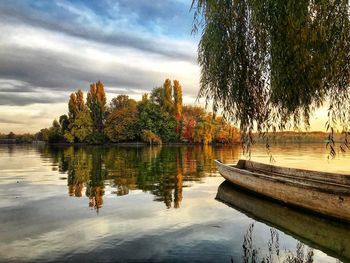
{"x": 326, "y": 201}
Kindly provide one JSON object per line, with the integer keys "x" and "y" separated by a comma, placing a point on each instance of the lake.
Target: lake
{"x": 156, "y": 204}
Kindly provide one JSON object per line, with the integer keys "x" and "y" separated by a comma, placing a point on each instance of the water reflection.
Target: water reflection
{"x": 329, "y": 236}
{"x": 251, "y": 253}
{"x": 45, "y": 194}
{"x": 162, "y": 171}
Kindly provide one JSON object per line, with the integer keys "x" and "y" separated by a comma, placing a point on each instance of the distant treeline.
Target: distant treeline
{"x": 277, "y": 137}
{"x": 160, "y": 117}
{"x": 291, "y": 136}
{"x": 17, "y": 138}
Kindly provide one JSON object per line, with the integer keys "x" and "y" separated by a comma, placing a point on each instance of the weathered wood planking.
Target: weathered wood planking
{"x": 324, "y": 193}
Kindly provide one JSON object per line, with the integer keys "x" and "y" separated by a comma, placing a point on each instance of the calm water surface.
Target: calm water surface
{"x": 159, "y": 204}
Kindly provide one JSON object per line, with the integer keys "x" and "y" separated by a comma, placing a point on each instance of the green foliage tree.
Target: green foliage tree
{"x": 157, "y": 96}
{"x": 268, "y": 64}
{"x": 162, "y": 96}
{"x": 81, "y": 129}
{"x": 55, "y": 133}
{"x": 43, "y": 135}
{"x": 153, "y": 118}
{"x": 64, "y": 123}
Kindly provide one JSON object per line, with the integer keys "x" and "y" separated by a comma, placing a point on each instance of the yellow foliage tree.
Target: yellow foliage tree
{"x": 178, "y": 104}
{"x": 96, "y": 102}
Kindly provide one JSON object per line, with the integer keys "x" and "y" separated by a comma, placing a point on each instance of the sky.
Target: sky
{"x": 49, "y": 49}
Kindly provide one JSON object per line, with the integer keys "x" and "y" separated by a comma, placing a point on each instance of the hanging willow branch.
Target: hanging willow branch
{"x": 268, "y": 64}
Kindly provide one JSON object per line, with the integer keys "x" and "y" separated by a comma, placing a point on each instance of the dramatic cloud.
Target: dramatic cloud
{"x": 50, "y": 48}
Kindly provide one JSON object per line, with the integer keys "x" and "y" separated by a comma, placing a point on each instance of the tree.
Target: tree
{"x": 153, "y": 118}
{"x": 11, "y": 135}
{"x": 121, "y": 123}
{"x": 268, "y": 64}
{"x": 96, "y": 103}
{"x": 78, "y": 126}
{"x": 224, "y": 132}
{"x": 81, "y": 128}
{"x": 162, "y": 96}
{"x": 55, "y": 134}
{"x": 157, "y": 96}
{"x": 168, "y": 104}
{"x": 76, "y": 104}
{"x": 192, "y": 115}
{"x": 178, "y": 104}
{"x": 122, "y": 102}
{"x": 64, "y": 123}
{"x": 42, "y": 135}
{"x": 203, "y": 132}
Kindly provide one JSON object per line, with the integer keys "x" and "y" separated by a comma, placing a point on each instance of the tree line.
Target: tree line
{"x": 159, "y": 117}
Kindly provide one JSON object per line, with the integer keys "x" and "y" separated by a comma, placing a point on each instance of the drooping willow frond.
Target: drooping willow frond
{"x": 268, "y": 64}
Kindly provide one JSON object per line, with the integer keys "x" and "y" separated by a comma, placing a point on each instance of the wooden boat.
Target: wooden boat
{"x": 324, "y": 193}
{"x": 330, "y": 236}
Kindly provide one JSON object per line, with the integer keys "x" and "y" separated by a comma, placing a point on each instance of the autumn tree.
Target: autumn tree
{"x": 203, "y": 132}
{"x": 192, "y": 115}
{"x": 80, "y": 122}
{"x": 168, "y": 104}
{"x": 76, "y": 104}
{"x": 177, "y": 104}
{"x": 122, "y": 120}
{"x": 224, "y": 132}
{"x": 162, "y": 96}
{"x": 96, "y": 103}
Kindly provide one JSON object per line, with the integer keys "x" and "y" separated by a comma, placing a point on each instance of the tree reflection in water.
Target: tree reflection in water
{"x": 161, "y": 171}
{"x": 251, "y": 254}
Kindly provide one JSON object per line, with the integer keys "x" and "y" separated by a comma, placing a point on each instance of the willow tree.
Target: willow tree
{"x": 268, "y": 64}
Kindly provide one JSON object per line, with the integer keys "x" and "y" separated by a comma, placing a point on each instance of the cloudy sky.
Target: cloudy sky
{"x": 50, "y": 48}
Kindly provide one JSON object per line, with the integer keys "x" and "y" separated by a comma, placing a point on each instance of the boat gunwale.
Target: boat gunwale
{"x": 297, "y": 182}
{"x": 298, "y": 172}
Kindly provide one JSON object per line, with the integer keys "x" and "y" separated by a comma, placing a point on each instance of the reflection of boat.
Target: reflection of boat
{"x": 329, "y": 236}
{"x": 324, "y": 193}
